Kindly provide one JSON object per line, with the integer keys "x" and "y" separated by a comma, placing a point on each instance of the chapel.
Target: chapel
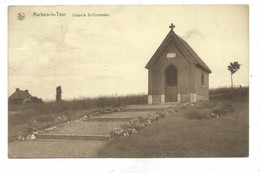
{"x": 176, "y": 73}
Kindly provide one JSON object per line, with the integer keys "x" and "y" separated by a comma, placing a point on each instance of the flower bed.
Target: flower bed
{"x": 137, "y": 124}
{"x": 207, "y": 110}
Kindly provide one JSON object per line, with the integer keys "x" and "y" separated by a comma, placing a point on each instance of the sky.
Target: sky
{"x": 96, "y": 56}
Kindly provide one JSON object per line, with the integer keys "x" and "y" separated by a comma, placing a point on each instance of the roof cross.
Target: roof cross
{"x": 172, "y": 26}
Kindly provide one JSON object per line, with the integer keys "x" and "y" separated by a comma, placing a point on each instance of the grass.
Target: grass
{"x": 21, "y": 117}
{"x": 78, "y": 104}
{"x": 226, "y": 93}
{"x": 177, "y": 135}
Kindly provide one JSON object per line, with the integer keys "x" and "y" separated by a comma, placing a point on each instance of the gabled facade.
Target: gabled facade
{"x": 20, "y": 96}
{"x": 176, "y": 73}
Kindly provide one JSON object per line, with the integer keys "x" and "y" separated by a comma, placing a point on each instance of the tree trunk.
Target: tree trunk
{"x": 232, "y": 81}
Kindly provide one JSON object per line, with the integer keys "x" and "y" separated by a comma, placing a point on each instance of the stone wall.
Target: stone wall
{"x": 185, "y": 97}
{"x": 202, "y": 90}
{"x": 189, "y": 97}
{"x": 156, "y": 99}
{"x": 202, "y": 98}
{"x": 193, "y": 97}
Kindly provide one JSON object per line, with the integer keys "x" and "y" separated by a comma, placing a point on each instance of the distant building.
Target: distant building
{"x": 176, "y": 73}
{"x": 20, "y": 96}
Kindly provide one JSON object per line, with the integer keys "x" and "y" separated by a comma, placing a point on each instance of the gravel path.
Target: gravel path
{"x": 124, "y": 114}
{"x": 87, "y": 128}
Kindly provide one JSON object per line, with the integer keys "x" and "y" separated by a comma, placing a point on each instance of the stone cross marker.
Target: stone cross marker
{"x": 58, "y": 93}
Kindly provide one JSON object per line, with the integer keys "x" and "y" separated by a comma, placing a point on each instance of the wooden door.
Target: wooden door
{"x": 171, "y": 93}
{"x": 171, "y": 85}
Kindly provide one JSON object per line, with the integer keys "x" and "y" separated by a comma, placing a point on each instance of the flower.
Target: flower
{"x": 117, "y": 109}
{"x": 33, "y": 137}
{"x": 117, "y": 132}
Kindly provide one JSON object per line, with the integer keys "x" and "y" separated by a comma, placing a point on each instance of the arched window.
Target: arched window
{"x": 202, "y": 80}
{"x": 171, "y": 76}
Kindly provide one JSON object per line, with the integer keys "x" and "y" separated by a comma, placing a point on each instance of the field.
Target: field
{"x": 190, "y": 132}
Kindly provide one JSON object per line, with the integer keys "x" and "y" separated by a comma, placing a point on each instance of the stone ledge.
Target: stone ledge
{"x": 141, "y": 110}
{"x": 109, "y": 119}
{"x": 74, "y": 137}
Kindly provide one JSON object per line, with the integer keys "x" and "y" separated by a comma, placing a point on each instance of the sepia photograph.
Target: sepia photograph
{"x": 128, "y": 81}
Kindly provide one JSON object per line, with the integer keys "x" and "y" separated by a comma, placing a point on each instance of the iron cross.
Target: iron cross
{"x": 172, "y": 26}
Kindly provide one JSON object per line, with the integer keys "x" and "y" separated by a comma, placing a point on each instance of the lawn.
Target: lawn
{"x": 178, "y": 135}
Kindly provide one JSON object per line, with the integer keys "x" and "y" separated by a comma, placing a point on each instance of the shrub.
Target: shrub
{"x": 205, "y": 104}
{"x": 36, "y": 100}
{"x": 16, "y": 119}
{"x": 223, "y": 107}
{"x": 196, "y": 113}
{"x": 229, "y": 106}
{"x": 138, "y": 127}
{"x": 219, "y": 111}
{"x": 208, "y": 110}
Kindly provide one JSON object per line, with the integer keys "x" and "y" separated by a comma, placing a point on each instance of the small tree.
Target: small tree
{"x": 233, "y": 67}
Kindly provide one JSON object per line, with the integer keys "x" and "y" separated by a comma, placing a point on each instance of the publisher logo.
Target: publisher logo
{"x": 20, "y": 16}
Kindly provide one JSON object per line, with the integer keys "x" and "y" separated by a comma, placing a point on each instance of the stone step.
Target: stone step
{"x": 73, "y": 137}
{"x": 141, "y": 110}
{"x": 109, "y": 119}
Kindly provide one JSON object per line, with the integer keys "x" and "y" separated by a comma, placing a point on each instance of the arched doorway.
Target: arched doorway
{"x": 171, "y": 83}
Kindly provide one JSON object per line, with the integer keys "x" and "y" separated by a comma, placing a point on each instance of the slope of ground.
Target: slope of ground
{"x": 178, "y": 136}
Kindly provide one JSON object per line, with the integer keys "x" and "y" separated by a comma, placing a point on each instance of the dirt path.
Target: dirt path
{"x": 54, "y": 149}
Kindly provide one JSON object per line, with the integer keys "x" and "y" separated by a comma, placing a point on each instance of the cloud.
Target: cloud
{"x": 192, "y": 33}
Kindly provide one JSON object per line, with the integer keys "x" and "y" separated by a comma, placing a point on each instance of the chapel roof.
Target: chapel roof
{"x": 172, "y": 36}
